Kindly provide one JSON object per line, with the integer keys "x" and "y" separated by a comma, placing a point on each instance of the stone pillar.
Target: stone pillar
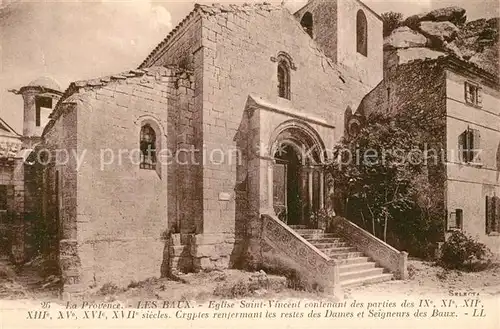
{"x": 310, "y": 187}
{"x": 403, "y": 265}
{"x": 270, "y": 185}
{"x": 321, "y": 189}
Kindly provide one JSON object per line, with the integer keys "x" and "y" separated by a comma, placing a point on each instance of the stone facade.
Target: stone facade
{"x": 107, "y": 202}
{"x": 232, "y": 57}
{"x": 210, "y": 93}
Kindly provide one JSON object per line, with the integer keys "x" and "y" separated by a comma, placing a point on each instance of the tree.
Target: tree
{"x": 391, "y": 21}
{"x": 376, "y": 171}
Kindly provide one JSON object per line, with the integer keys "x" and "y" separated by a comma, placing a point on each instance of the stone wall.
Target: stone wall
{"x": 370, "y": 67}
{"x": 182, "y": 48}
{"x": 115, "y": 217}
{"x": 60, "y": 192}
{"x": 334, "y": 30}
{"x": 12, "y": 217}
{"x": 324, "y": 13}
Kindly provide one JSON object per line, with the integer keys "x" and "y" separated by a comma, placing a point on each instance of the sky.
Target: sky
{"x": 72, "y": 40}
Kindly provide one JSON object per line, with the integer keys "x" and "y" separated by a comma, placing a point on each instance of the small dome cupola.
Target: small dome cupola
{"x": 46, "y": 83}
{"x": 40, "y": 97}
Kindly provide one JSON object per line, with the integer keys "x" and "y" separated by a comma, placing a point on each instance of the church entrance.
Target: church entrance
{"x": 288, "y": 186}
{"x": 297, "y": 177}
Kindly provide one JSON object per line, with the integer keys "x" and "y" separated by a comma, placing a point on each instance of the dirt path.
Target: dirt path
{"x": 425, "y": 279}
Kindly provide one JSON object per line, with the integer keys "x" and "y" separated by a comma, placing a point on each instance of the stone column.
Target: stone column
{"x": 270, "y": 185}
{"x": 310, "y": 186}
{"x": 321, "y": 189}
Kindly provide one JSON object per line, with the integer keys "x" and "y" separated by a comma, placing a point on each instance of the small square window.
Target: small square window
{"x": 473, "y": 94}
{"x": 455, "y": 220}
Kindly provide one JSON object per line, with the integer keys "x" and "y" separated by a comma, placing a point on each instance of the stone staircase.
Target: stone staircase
{"x": 355, "y": 267}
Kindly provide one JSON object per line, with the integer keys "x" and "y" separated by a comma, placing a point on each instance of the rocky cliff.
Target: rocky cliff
{"x": 447, "y": 31}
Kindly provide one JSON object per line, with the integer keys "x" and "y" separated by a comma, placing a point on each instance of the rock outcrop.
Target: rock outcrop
{"x": 438, "y": 32}
{"x": 445, "y": 31}
{"x": 404, "y": 37}
{"x": 455, "y": 15}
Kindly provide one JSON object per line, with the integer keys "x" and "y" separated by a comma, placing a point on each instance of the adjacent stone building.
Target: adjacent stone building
{"x": 460, "y": 103}
{"x": 19, "y": 192}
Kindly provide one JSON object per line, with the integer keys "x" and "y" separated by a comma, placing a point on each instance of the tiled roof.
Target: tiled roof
{"x": 74, "y": 87}
{"x": 6, "y": 129}
{"x": 212, "y": 9}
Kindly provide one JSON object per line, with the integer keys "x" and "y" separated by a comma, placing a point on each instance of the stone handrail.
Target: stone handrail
{"x": 381, "y": 252}
{"x": 307, "y": 259}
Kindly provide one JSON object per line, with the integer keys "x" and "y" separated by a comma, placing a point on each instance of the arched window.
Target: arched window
{"x": 283, "y": 79}
{"x": 361, "y": 33}
{"x": 148, "y": 147}
{"x": 307, "y": 23}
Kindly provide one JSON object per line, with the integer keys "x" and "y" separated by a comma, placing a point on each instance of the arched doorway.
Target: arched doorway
{"x": 297, "y": 173}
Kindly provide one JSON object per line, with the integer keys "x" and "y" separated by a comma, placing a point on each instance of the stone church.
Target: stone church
{"x": 207, "y": 156}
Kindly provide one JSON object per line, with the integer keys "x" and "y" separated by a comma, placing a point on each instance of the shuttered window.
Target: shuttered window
{"x": 473, "y": 94}
{"x": 492, "y": 214}
{"x": 469, "y": 144}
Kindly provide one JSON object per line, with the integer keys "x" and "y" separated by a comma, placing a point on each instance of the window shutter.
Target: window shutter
{"x": 461, "y": 146}
{"x": 467, "y": 93}
{"x": 476, "y": 146}
{"x": 479, "y": 96}
{"x": 489, "y": 214}
{"x": 459, "y": 218}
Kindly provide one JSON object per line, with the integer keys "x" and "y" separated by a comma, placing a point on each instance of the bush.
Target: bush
{"x": 463, "y": 252}
{"x": 241, "y": 288}
{"x": 108, "y": 288}
{"x": 391, "y": 21}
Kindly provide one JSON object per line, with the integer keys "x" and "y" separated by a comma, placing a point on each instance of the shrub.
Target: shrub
{"x": 462, "y": 252}
{"x": 391, "y": 21}
{"x": 108, "y": 288}
{"x": 238, "y": 289}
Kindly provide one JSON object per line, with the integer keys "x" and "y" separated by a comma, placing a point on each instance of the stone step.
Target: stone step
{"x": 297, "y": 227}
{"x": 358, "y": 274}
{"x": 351, "y": 261}
{"x": 312, "y": 236}
{"x": 344, "y": 268}
{"x": 329, "y": 245}
{"x": 325, "y": 240}
{"x": 367, "y": 280}
{"x": 312, "y": 231}
{"x": 345, "y": 255}
{"x": 338, "y": 250}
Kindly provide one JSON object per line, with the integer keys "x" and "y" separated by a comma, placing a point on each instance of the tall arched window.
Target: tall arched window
{"x": 361, "y": 33}
{"x": 148, "y": 147}
{"x": 283, "y": 79}
{"x": 307, "y": 23}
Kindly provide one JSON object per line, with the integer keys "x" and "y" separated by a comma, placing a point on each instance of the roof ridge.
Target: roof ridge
{"x": 210, "y": 9}
{"x": 74, "y": 86}
{"x": 5, "y": 124}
